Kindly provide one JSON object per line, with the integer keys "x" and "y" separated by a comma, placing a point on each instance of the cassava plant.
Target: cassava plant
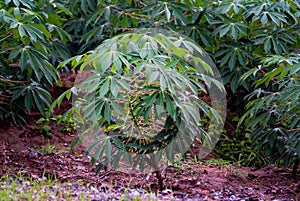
{"x": 141, "y": 102}
{"x": 32, "y": 44}
{"x": 273, "y": 109}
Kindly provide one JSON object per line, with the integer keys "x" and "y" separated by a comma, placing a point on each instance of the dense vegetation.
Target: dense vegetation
{"x": 254, "y": 44}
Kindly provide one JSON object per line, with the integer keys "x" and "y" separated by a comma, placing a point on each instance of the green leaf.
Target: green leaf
{"x": 171, "y": 151}
{"x": 170, "y": 107}
{"x": 14, "y": 53}
{"x": 99, "y": 152}
{"x": 150, "y": 99}
{"x": 225, "y": 29}
{"x": 107, "y": 112}
{"x": 125, "y": 61}
{"x": 116, "y": 160}
{"x": 62, "y": 8}
{"x": 114, "y": 88}
{"x": 118, "y": 143}
{"x": 117, "y": 108}
{"x": 147, "y": 114}
{"x": 58, "y": 101}
{"x": 28, "y": 101}
{"x": 241, "y": 59}
{"x": 108, "y": 149}
{"x": 92, "y": 147}
{"x": 234, "y": 32}
{"x": 117, "y": 62}
{"x": 104, "y": 88}
{"x": 123, "y": 84}
{"x": 168, "y": 13}
{"x": 74, "y": 142}
{"x": 104, "y": 61}
{"x": 107, "y": 13}
{"x": 68, "y": 94}
{"x": 21, "y": 31}
{"x": 232, "y": 61}
{"x": 159, "y": 109}
{"x": 267, "y": 45}
{"x": 128, "y": 158}
{"x": 23, "y": 60}
{"x": 264, "y": 19}
{"x": 153, "y": 76}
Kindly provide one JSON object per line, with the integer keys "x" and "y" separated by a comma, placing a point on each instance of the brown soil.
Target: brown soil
{"x": 20, "y": 153}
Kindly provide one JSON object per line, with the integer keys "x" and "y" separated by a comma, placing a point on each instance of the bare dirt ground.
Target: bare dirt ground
{"x": 20, "y": 151}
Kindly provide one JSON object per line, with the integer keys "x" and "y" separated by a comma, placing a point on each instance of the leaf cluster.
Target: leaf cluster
{"x": 273, "y": 109}
{"x": 32, "y": 42}
{"x": 142, "y": 100}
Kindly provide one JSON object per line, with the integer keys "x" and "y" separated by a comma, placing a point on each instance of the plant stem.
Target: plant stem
{"x": 295, "y": 166}
{"x": 159, "y": 177}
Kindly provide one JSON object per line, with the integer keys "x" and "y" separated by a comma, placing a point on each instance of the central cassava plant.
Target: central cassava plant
{"x": 141, "y": 101}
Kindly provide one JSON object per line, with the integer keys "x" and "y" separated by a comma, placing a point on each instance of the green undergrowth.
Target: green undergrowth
{"x": 18, "y": 187}
{"x": 22, "y": 188}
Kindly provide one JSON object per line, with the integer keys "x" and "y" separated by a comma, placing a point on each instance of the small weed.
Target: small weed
{"x": 44, "y": 130}
{"x": 43, "y": 126}
{"x": 235, "y": 172}
{"x": 47, "y": 149}
{"x": 179, "y": 164}
{"x": 196, "y": 161}
{"x": 18, "y": 187}
{"x": 68, "y": 124}
{"x": 219, "y": 162}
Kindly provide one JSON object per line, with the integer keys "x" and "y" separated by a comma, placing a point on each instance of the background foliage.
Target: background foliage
{"x": 33, "y": 42}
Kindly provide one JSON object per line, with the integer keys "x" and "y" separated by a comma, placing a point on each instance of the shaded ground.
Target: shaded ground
{"x": 20, "y": 151}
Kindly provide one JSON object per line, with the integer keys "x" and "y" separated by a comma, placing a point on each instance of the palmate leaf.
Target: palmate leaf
{"x": 263, "y": 11}
{"x": 35, "y": 33}
{"x": 234, "y": 28}
{"x": 59, "y": 51}
{"x": 61, "y": 33}
{"x": 39, "y": 64}
{"x": 94, "y": 110}
{"x": 231, "y": 54}
{"x": 33, "y": 95}
{"x": 275, "y": 17}
{"x": 230, "y": 6}
{"x": 198, "y": 31}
